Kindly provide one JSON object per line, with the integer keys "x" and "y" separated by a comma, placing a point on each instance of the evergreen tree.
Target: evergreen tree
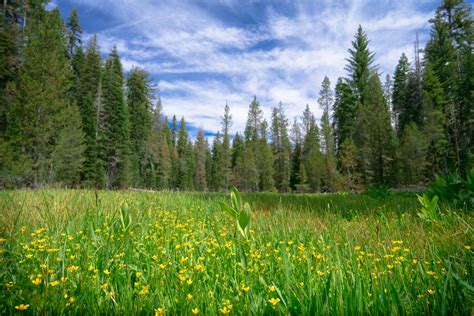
{"x": 360, "y": 64}
{"x": 312, "y": 155}
{"x": 400, "y": 93}
{"x": 434, "y": 120}
{"x": 164, "y": 168}
{"x": 74, "y": 35}
{"x": 89, "y": 102}
{"x": 265, "y": 161}
{"x": 116, "y": 141}
{"x": 296, "y": 163}
{"x": 348, "y": 161}
{"x": 139, "y": 95}
{"x": 412, "y": 155}
{"x": 374, "y": 137}
{"x": 226, "y": 151}
{"x": 281, "y": 149}
{"x": 327, "y": 142}
{"x": 41, "y": 98}
{"x": 253, "y": 147}
{"x": 186, "y": 163}
{"x": 200, "y": 152}
{"x": 217, "y": 172}
{"x": 344, "y": 113}
{"x": 68, "y": 154}
{"x": 449, "y": 51}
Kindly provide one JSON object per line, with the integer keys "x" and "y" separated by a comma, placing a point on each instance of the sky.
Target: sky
{"x": 204, "y": 53}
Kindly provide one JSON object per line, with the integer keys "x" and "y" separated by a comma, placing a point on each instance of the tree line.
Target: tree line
{"x": 70, "y": 118}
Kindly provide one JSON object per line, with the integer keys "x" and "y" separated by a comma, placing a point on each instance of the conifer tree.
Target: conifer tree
{"x": 200, "y": 152}
{"x": 449, "y": 51}
{"x": 116, "y": 138}
{"x": 217, "y": 171}
{"x": 41, "y": 97}
{"x": 312, "y": 157}
{"x": 252, "y": 148}
{"x": 265, "y": 161}
{"x": 412, "y": 155}
{"x": 374, "y": 137}
{"x": 327, "y": 140}
{"x": 434, "y": 121}
{"x": 344, "y": 113}
{"x": 186, "y": 163}
{"x": 68, "y": 154}
{"x": 89, "y": 103}
{"x": 296, "y": 163}
{"x": 139, "y": 96}
{"x": 74, "y": 35}
{"x": 348, "y": 162}
{"x": 400, "y": 93}
{"x": 360, "y": 64}
{"x": 226, "y": 150}
{"x": 281, "y": 148}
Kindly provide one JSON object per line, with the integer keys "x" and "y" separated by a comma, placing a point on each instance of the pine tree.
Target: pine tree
{"x": 400, "y": 92}
{"x": 200, "y": 152}
{"x": 296, "y": 163}
{"x": 312, "y": 155}
{"x": 74, "y": 35}
{"x": 186, "y": 163}
{"x": 253, "y": 146}
{"x": 348, "y": 161}
{"x": 281, "y": 148}
{"x": 116, "y": 147}
{"x": 139, "y": 96}
{"x": 449, "y": 51}
{"x": 327, "y": 141}
{"x": 237, "y": 153}
{"x": 265, "y": 161}
{"x": 164, "y": 163}
{"x": 217, "y": 172}
{"x": 68, "y": 154}
{"x": 226, "y": 151}
{"x": 434, "y": 120}
{"x": 41, "y": 97}
{"x": 375, "y": 136}
{"x": 344, "y": 113}
{"x": 412, "y": 155}
{"x": 89, "y": 101}
{"x": 360, "y": 64}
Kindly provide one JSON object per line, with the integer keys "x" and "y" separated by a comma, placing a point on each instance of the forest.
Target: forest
{"x": 71, "y": 118}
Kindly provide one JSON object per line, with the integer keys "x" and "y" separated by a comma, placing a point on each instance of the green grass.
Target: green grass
{"x": 80, "y": 251}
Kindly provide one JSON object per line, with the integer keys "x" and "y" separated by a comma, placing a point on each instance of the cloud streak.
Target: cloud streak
{"x": 203, "y": 54}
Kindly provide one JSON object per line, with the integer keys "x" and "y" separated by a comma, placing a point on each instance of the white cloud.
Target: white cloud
{"x": 179, "y": 37}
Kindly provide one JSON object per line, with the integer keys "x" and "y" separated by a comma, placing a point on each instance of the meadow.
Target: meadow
{"x": 166, "y": 253}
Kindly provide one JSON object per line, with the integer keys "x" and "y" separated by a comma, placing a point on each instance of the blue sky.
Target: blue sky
{"x": 204, "y": 53}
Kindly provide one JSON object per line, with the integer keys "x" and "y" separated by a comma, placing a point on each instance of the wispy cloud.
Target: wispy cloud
{"x": 205, "y": 53}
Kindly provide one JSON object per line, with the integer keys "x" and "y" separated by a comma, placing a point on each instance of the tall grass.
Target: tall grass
{"x": 82, "y": 251}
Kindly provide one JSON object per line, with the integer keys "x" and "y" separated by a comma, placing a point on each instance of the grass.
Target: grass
{"x": 79, "y": 251}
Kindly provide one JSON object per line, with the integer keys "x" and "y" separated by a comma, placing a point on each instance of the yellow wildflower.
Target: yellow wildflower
{"x": 195, "y": 311}
{"x": 22, "y": 307}
{"x": 106, "y": 272}
{"x": 467, "y": 247}
{"x": 159, "y": 311}
{"x": 189, "y": 297}
{"x": 274, "y": 301}
{"x": 225, "y": 310}
{"x": 36, "y": 281}
{"x": 431, "y": 292}
{"x": 54, "y": 283}
{"x": 138, "y": 274}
